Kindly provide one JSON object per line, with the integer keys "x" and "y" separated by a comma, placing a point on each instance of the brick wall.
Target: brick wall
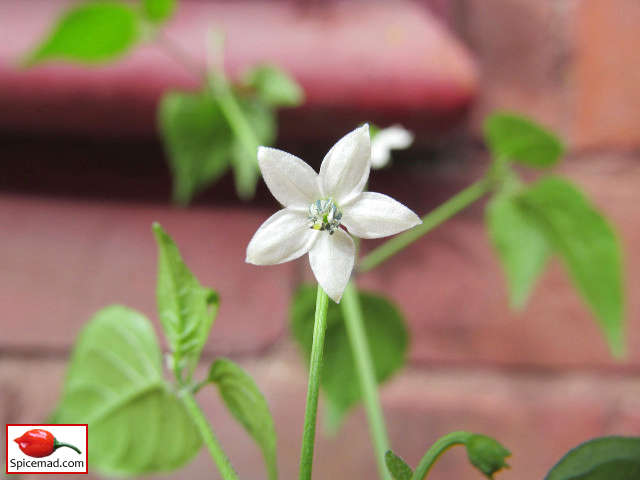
{"x": 540, "y": 381}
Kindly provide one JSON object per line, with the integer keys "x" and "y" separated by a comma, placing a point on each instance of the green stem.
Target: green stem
{"x": 227, "y": 101}
{"x": 245, "y": 167}
{"x": 238, "y": 122}
{"x": 309, "y": 434}
{"x": 181, "y": 56}
{"x": 354, "y": 321}
{"x": 208, "y": 437}
{"x": 57, "y": 445}
{"x": 230, "y": 108}
{"x": 436, "y": 450}
{"x": 434, "y": 218}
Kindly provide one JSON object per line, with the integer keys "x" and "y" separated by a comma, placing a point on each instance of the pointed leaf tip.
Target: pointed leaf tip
{"x": 588, "y": 246}
{"x": 249, "y": 407}
{"x": 186, "y": 309}
{"x": 275, "y": 86}
{"x": 522, "y": 247}
{"x": 397, "y": 467}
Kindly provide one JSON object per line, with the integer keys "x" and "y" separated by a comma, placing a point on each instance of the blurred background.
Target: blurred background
{"x": 83, "y": 175}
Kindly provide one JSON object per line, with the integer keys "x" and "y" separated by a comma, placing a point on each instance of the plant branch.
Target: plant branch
{"x": 230, "y": 108}
{"x": 430, "y": 221}
{"x": 238, "y": 122}
{"x": 437, "y": 449}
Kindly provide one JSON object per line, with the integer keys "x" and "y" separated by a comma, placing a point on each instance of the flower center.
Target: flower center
{"x": 324, "y": 215}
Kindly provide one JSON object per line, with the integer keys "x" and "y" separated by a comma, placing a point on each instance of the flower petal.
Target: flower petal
{"x": 282, "y": 237}
{"x": 332, "y": 259}
{"x": 291, "y": 181}
{"x": 345, "y": 169}
{"x": 394, "y": 137}
{"x": 374, "y": 215}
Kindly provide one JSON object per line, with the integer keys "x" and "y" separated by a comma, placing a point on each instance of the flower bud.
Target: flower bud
{"x": 486, "y": 454}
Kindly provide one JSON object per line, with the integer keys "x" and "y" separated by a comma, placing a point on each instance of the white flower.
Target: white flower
{"x": 317, "y": 205}
{"x": 394, "y": 137}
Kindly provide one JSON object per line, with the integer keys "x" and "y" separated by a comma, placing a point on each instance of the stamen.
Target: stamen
{"x": 324, "y": 215}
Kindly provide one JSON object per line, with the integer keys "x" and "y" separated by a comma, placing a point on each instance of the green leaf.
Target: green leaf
{"x": 588, "y": 246}
{"x": 523, "y": 249}
{"x": 90, "y": 33}
{"x": 186, "y": 309}
{"x": 244, "y": 400}
{"x": 274, "y": 86}
{"x": 262, "y": 120}
{"x": 114, "y": 383}
{"x": 201, "y": 143}
{"x": 386, "y": 334}
{"x": 397, "y": 467}
{"x": 159, "y": 10}
{"x": 605, "y": 458}
{"x": 520, "y": 139}
{"x": 198, "y": 140}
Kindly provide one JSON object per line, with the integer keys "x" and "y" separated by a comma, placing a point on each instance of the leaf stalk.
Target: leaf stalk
{"x": 208, "y": 437}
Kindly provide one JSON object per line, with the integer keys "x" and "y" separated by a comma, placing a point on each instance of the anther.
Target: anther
{"x": 324, "y": 215}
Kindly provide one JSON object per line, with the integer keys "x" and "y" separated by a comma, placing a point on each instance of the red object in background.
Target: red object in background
{"x": 384, "y": 62}
{"x": 40, "y": 443}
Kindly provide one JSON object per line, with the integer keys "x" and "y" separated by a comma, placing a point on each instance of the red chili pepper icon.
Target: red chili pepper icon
{"x": 39, "y": 443}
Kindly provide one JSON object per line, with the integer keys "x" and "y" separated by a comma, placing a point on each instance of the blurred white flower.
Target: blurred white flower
{"x": 316, "y": 206}
{"x": 394, "y": 137}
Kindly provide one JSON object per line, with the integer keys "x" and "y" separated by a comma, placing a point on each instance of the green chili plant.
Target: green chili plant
{"x": 116, "y": 384}
{"x": 116, "y": 380}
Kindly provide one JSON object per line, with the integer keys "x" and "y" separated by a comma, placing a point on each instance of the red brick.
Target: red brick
{"x": 570, "y": 65}
{"x": 625, "y": 419}
{"x": 64, "y": 260}
{"x": 607, "y": 73}
{"x": 522, "y": 51}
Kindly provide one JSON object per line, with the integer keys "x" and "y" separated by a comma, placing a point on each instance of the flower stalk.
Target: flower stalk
{"x": 317, "y": 207}
{"x": 313, "y": 391}
{"x": 354, "y": 321}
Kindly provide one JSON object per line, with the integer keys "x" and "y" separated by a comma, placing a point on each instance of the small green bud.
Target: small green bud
{"x": 486, "y": 454}
{"x": 397, "y": 467}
